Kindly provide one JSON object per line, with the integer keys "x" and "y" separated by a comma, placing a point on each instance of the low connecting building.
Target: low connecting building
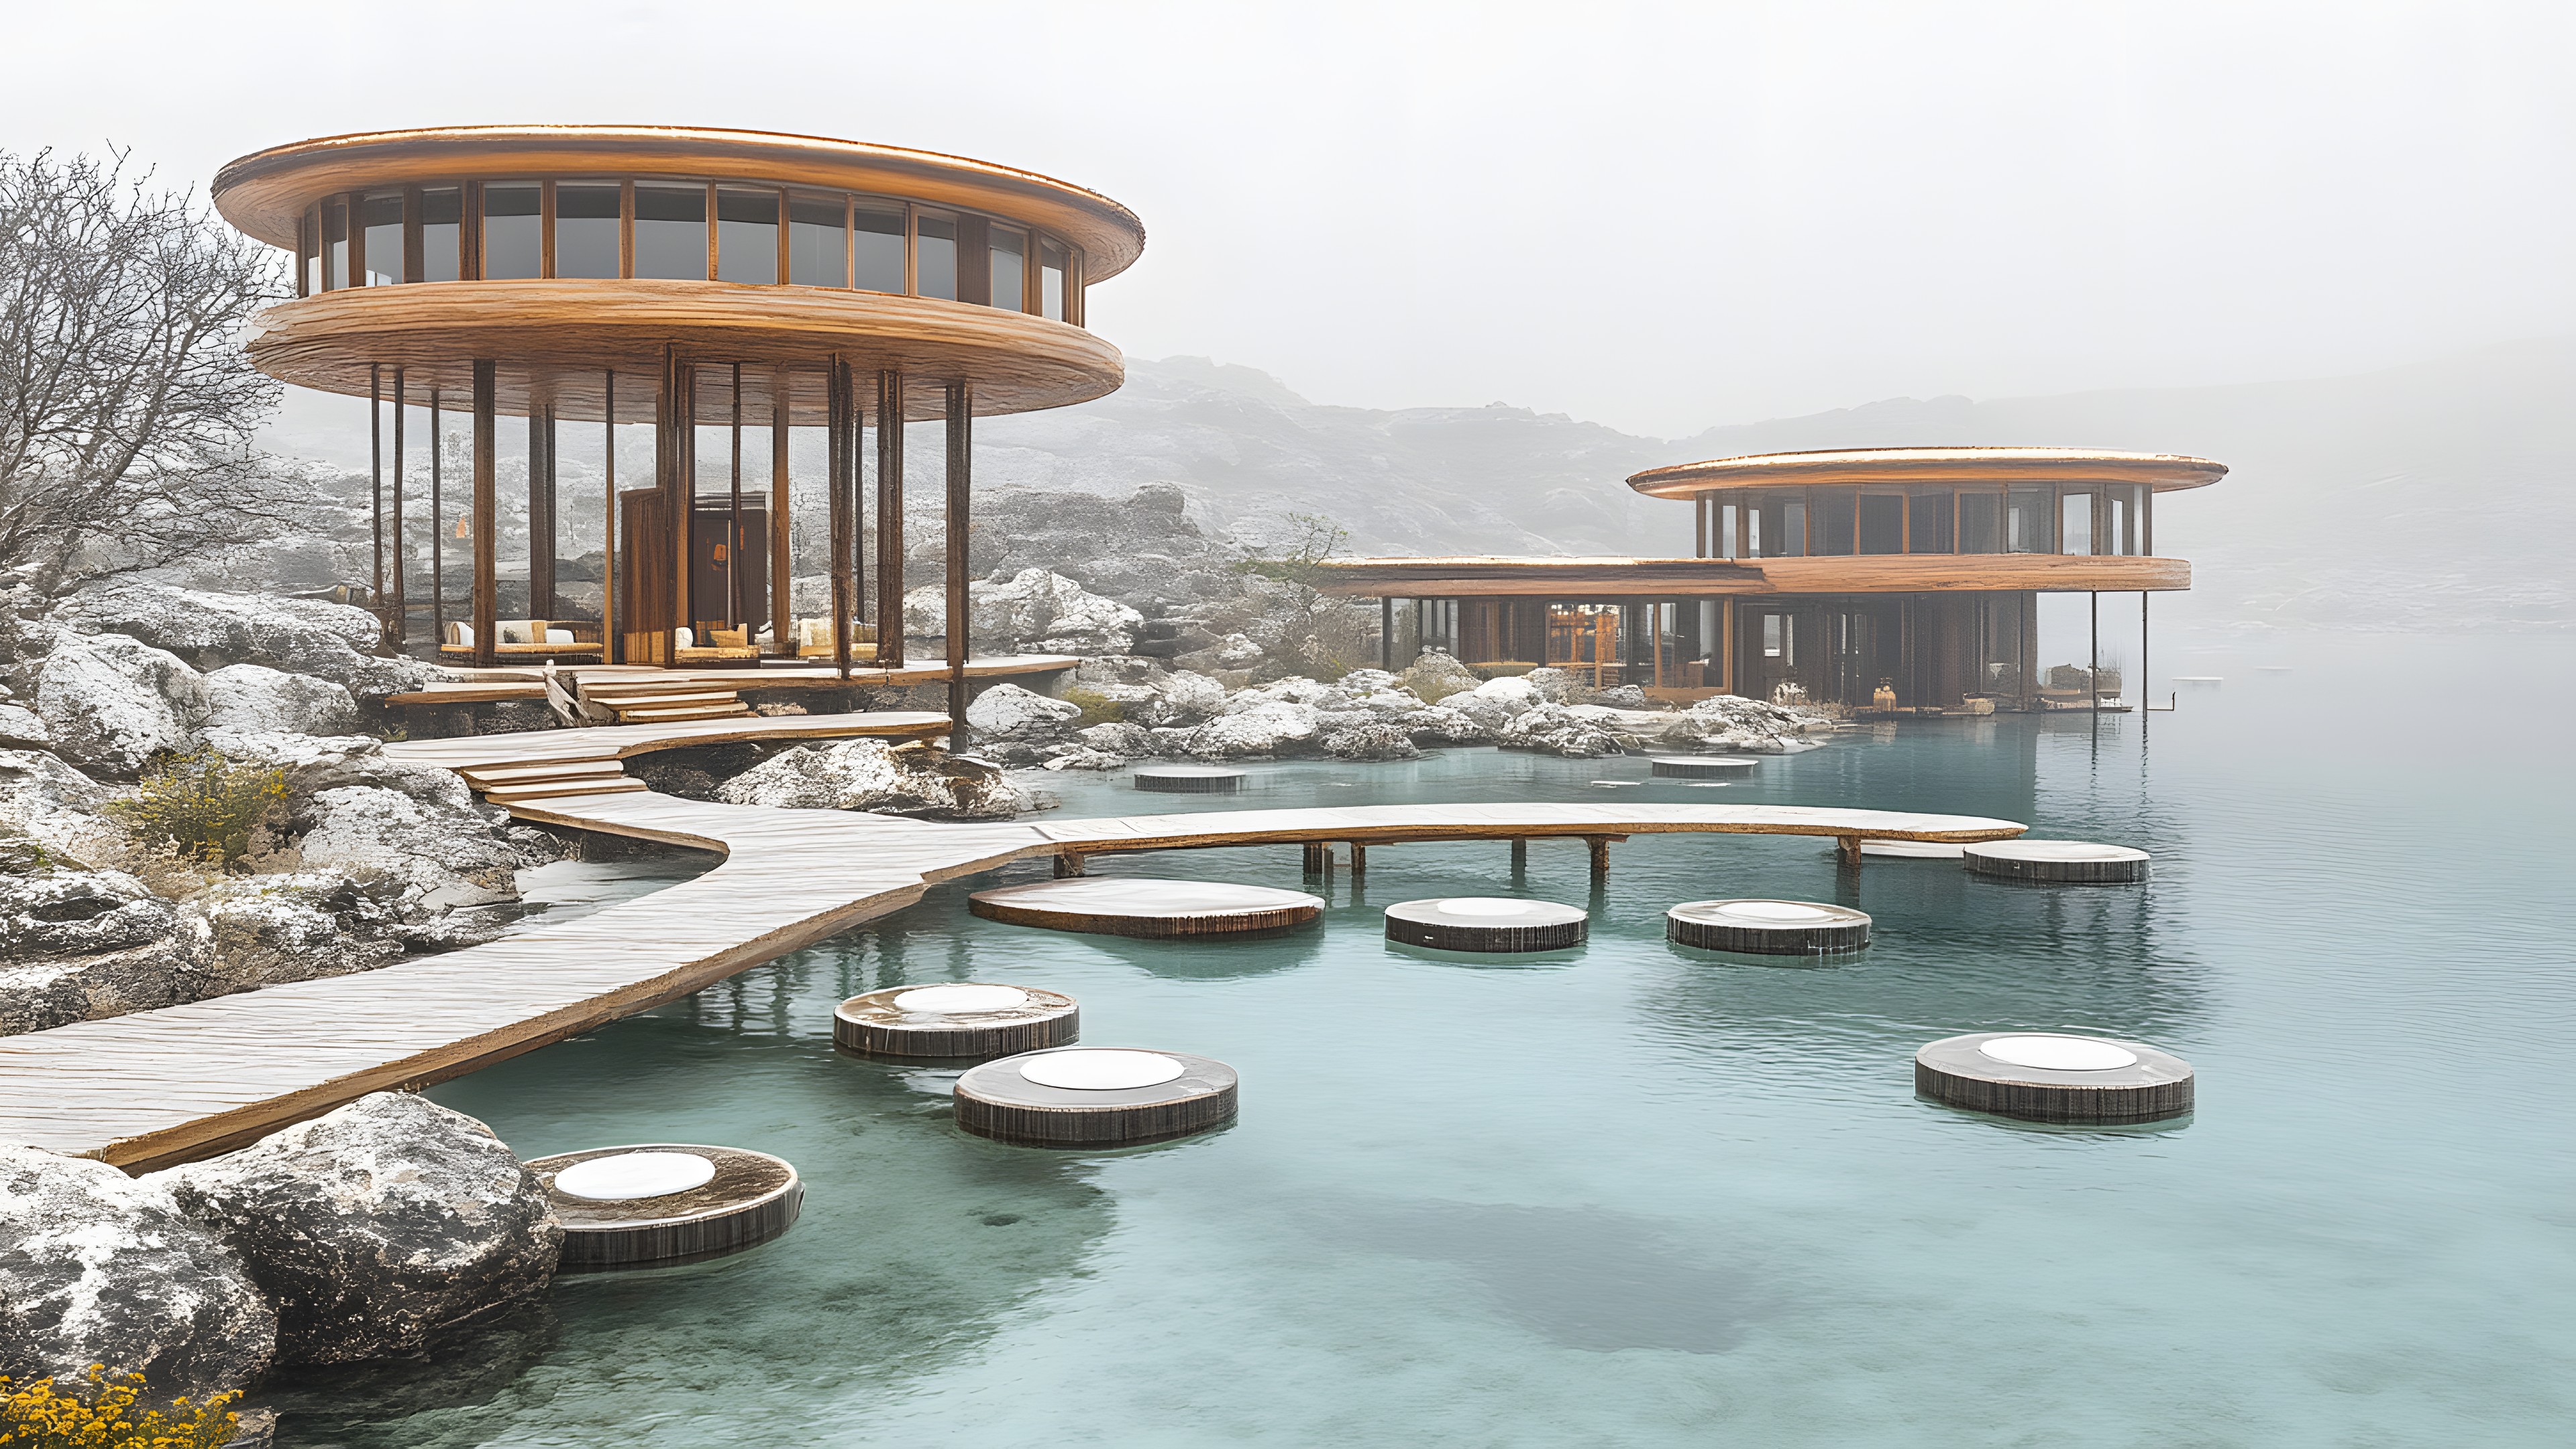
{"x": 1853, "y": 576}
{"x": 699, "y": 281}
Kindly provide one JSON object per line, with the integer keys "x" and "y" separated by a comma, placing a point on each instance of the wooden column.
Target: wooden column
{"x": 961, "y": 481}
{"x": 1600, "y": 848}
{"x": 1386, "y": 633}
{"x": 840, "y": 456}
{"x": 737, "y": 607}
{"x": 376, "y": 461}
{"x": 782, "y": 626}
{"x": 486, "y": 597}
{"x": 541, "y": 512}
{"x": 437, "y": 533}
{"x": 890, "y": 407}
{"x": 676, "y": 443}
{"x": 1726, "y": 644}
{"x": 401, "y": 612}
{"x": 608, "y": 640}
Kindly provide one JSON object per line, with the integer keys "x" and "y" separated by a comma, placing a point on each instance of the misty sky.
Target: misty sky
{"x": 1659, "y": 217}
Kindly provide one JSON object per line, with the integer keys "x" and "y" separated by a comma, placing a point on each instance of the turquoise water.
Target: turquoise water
{"x": 1637, "y": 1195}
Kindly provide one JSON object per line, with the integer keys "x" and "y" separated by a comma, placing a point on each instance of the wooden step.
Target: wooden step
{"x": 736, "y": 710}
{"x": 657, "y": 701}
{"x": 512, "y": 794}
{"x": 483, "y": 776}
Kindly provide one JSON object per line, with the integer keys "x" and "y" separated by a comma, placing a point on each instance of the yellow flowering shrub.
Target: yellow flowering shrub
{"x": 40, "y": 1416}
{"x": 203, "y": 806}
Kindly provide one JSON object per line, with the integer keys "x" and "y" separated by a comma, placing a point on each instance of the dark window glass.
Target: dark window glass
{"x": 1052, "y": 263}
{"x": 1793, "y": 529}
{"x": 818, "y": 245}
{"x": 382, "y": 218}
{"x": 335, "y": 245}
{"x": 2075, "y": 522}
{"x": 1882, "y": 523}
{"x": 1833, "y": 524}
{"x": 1930, "y": 527}
{"x": 1981, "y": 525}
{"x": 878, "y": 243}
{"x": 1010, "y": 277}
{"x": 2026, "y": 522}
{"x": 442, "y": 210}
{"x": 586, "y": 231}
{"x": 311, "y": 241}
{"x": 935, "y": 264}
{"x": 671, "y": 232}
{"x": 747, "y": 237}
{"x": 510, "y": 239}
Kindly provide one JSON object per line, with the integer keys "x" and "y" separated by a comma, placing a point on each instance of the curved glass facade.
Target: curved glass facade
{"x": 674, "y": 228}
{"x": 2099, "y": 519}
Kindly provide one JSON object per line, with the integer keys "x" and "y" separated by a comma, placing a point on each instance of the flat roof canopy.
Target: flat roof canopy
{"x": 265, "y": 192}
{"x": 2164, "y": 472}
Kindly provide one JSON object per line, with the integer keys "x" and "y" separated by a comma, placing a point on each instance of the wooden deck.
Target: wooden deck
{"x": 508, "y": 682}
{"x": 158, "y": 1087}
{"x": 620, "y": 742}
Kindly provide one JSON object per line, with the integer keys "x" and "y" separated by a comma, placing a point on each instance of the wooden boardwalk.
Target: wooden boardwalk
{"x": 527, "y": 681}
{"x": 158, "y": 1087}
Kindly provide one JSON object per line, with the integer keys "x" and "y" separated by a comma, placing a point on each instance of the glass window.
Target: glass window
{"x": 442, "y": 213}
{"x": 1928, "y": 531}
{"x": 1793, "y": 529}
{"x": 1780, "y": 638}
{"x": 2026, "y": 521}
{"x": 1832, "y": 528}
{"x": 586, "y": 231}
{"x": 382, "y": 218}
{"x": 1727, "y": 542}
{"x": 2075, "y": 522}
{"x": 510, "y": 227}
{"x": 1981, "y": 528}
{"x": 1009, "y": 252}
{"x": 1052, "y": 267}
{"x": 878, "y": 251}
{"x": 935, "y": 264}
{"x": 335, "y": 245}
{"x": 671, "y": 232}
{"x": 818, "y": 243}
{"x": 1882, "y": 523}
{"x": 747, "y": 237}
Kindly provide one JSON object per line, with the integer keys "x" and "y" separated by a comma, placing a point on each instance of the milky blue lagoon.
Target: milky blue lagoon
{"x": 1639, "y": 1196}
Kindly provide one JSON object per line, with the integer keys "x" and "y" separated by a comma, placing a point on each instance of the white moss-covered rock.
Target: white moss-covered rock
{"x": 1009, "y": 712}
{"x": 1371, "y": 741}
{"x": 254, "y": 697}
{"x": 211, "y": 630}
{"x": 1556, "y": 729}
{"x": 1033, "y": 611}
{"x": 97, "y": 1267}
{"x": 1263, "y": 729}
{"x": 373, "y": 1227}
{"x": 111, "y": 703}
{"x": 871, "y": 775}
{"x": 439, "y": 859}
{"x": 77, "y": 945}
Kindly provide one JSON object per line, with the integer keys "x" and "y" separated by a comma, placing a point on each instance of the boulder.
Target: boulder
{"x": 263, "y": 930}
{"x": 439, "y": 858}
{"x": 1118, "y": 738}
{"x": 22, "y": 728}
{"x": 1373, "y": 741}
{"x": 1560, "y": 686}
{"x": 256, "y": 697}
{"x": 1435, "y": 676}
{"x": 1620, "y": 696}
{"x": 83, "y": 944}
{"x": 315, "y": 763}
{"x": 1085, "y": 758}
{"x": 1009, "y": 712}
{"x": 1437, "y": 725}
{"x": 97, "y": 1267}
{"x": 111, "y": 703}
{"x": 373, "y": 1227}
{"x": 1033, "y": 611}
{"x": 1187, "y": 697}
{"x": 307, "y": 636}
{"x": 1265, "y": 729}
{"x": 909, "y": 779}
{"x": 1556, "y": 729}
{"x": 36, "y": 783}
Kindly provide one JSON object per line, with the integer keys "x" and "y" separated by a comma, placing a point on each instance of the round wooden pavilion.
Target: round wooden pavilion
{"x": 1851, "y": 574}
{"x": 683, "y": 278}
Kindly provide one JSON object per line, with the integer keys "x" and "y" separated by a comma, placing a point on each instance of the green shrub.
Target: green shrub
{"x": 203, "y": 806}
{"x": 38, "y": 1416}
{"x": 1097, "y": 708}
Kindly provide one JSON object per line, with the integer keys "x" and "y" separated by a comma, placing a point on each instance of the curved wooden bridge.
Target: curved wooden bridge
{"x": 158, "y": 1087}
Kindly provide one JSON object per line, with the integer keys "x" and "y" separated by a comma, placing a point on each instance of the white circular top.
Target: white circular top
{"x": 1774, "y": 911}
{"x": 1189, "y": 772}
{"x": 2059, "y": 1053}
{"x": 962, "y": 998}
{"x": 2055, "y": 850}
{"x": 1497, "y": 906}
{"x": 630, "y": 1175}
{"x": 1734, "y": 761}
{"x": 1146, "y": 896}
{"x": 1100, "y": 1069}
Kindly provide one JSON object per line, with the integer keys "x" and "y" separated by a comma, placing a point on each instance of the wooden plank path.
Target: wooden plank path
{"x": 505, "y": 682}
{"x": 618, "y": 742}
{"x": 157, "y": 1087}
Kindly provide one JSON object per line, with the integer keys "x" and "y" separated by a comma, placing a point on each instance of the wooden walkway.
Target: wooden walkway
{"x": 620, "y": 742}
{"x": 503, "y": 682}
{"x": 158, "y": 1087}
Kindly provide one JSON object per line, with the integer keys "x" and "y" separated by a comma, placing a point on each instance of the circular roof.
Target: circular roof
{"x": 2162, "y": 471}
{"x": 263, "y": 193}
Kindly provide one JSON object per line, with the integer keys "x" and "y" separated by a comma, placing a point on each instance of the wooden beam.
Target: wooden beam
{"x": 890, "y": 410}
{"x": 376, "y": 462}
{"x": 961, "y": 482}
{"x": 841, "y": 447}
{"x": 486, "y": 537}
{"x": 782, "y": 626}
{"x": 437, "y": 533}
{"x": 609, "y": 643}
{"x": 401, "y": 604}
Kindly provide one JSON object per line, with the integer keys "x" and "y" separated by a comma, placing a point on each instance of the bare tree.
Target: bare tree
{"x": 127, "y": 403}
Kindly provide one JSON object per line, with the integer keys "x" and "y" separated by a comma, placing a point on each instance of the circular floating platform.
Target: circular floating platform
{"x": 1702, "y": 767}
{"x": 1095, "y": 1097}
{"x": 1136, "y": 906}
{"x": 1912, "y": 849}
{"x": 1189, "y": 779}
{"x": 970, "y": 1021}
{"x": 663, "y": 1202}
{"x": 2049, "y": 1077}
{"x": 1487, "y": 923}
{"x": 2057, "y": 862}
{"x": 1767, "y": 928}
